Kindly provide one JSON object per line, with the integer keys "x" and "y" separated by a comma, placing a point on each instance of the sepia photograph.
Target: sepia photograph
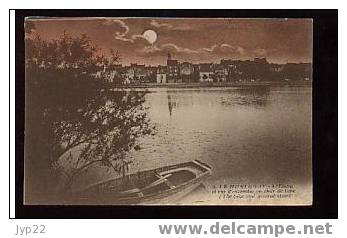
{"x": 168, "y": 111}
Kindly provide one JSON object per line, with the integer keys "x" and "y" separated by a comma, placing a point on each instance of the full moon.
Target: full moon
{"x": 150, "y": 36}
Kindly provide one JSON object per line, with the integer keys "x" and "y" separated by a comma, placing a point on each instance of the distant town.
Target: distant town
{"x": 228, "y": 70}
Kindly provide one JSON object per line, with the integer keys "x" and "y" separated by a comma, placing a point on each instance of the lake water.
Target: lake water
{"x": 249, "y": 135}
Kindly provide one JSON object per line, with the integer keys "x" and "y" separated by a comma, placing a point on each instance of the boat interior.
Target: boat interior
{"x": 152, "y": 181}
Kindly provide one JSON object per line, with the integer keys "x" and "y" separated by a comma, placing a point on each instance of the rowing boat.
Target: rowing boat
{"x": 163, "y": 185}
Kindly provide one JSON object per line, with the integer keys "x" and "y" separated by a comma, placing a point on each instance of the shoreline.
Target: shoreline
{"x": 211, "y": 85}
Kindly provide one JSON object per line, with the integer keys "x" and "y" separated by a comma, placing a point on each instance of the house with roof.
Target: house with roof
{"x": 173, "y": 70}
{"x": 151, "y": 74}
{"x": 161, "y": 74}
{"x": 186, "y": 72}
{"x": 206, "y": 73}
{"x": 220, "y": 73}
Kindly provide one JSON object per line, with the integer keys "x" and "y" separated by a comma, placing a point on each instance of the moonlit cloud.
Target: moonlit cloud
{"x": 225, "y": 49}
{"x": 122, "y": 35}
{"x": 171, "y": 46}
{"x": 195, "y": 40}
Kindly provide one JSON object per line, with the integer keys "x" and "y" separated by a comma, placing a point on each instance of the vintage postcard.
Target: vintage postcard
{"x": 168, "y": 111}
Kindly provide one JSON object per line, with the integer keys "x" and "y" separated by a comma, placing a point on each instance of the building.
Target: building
{"x": 276, "y": 67}
{"x": 117, "y": 74}
{"x": 129, "y": 74}
{"x": 173, "y": 70}
{"x": 228, "y": 70}
{"x": 220, "y": 73}
{"x": 232, "y": 72}
{"x": 297, "y": 71}
{"x": 140, "y": 73}
{"x": 206, "y": 72}
{"x": 151, "y": 74}
{"x": 161, "y": 74}
{"x": 186, "y": 72}
{"x": 262, "y": 61}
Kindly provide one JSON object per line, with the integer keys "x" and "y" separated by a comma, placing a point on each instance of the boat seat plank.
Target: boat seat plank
{"x": 135, "y": 190}
{"x": 162, "y": 179}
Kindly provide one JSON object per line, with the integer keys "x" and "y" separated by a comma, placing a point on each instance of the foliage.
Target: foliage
{"x": 68, "y": 106}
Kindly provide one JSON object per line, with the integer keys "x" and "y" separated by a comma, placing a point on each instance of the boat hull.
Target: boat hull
{"x": 169, "y": 197}
{"x": 165, "y": 197}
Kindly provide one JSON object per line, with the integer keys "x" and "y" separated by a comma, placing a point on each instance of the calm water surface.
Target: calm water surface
{"x": 248, "y": 135}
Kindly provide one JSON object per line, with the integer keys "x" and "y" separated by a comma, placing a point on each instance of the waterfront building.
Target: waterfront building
{"x": 151, "y": 74}
{"x": 140, "y": 73}
{"x": 186, "y": 72}
{"x": 173, "y": 70}
{"x": 161, "y": 74}
{"x": 297, "y": 71}
{"x": 261, "y": 61}
{"x": 276, "y": 67}
{"x": 220, "y": 73}
{"x": 129, "y": 74}
{"x": 117, "y": 74}
{"x": 228, "y": 70}
{"x": 206, "y": 72}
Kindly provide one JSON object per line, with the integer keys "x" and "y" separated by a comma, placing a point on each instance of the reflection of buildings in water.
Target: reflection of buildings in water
{"x": 172, "y": 102}
{"x": 169, "y": 103}
{"x": 181, "y": 99}
{"x": 257, "y": 96}
{"x": 248, "y": 96}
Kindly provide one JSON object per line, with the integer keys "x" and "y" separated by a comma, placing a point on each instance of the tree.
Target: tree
{"x": 69, "y": 106}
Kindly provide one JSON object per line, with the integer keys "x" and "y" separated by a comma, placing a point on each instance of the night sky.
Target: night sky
{"x": 193, "y": 40}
